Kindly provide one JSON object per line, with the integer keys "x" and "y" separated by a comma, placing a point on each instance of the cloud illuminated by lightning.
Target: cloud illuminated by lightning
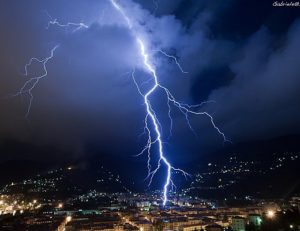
{"x": 152, "y": 126}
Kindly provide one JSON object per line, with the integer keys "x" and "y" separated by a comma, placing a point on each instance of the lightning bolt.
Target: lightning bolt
{"x": 152, "y": 126}
{"x": 32, "y": 82}
{"x": 156, "y": 136}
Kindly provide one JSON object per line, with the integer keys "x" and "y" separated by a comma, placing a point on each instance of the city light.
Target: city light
{"x": 270, "y": 214}
{"x": 68, "y": 219}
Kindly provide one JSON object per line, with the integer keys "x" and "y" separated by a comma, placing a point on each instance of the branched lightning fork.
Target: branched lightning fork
{"x": 32, "y": 82}
{"x": 155, "y": 138}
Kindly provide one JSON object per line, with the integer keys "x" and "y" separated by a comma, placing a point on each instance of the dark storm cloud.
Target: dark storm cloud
{"x": 88, "y": 99}
{"x": 263, "y": 100}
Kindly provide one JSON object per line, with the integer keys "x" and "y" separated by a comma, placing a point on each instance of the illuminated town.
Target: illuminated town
{"x": 39, "y": 203}
{"x": 132, "y": 211}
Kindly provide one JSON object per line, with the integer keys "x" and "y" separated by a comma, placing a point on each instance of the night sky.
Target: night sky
{"x": 243, "y": 55}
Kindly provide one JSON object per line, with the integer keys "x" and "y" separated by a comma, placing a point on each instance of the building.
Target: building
{"x": 214, "y": 227}
{"x": 255, "y": 219}
{"x": 144, "y": 225}
{"x": 191, "y": 227}
{"x": 94, "y": 222}
{"x": 238, "y": 224}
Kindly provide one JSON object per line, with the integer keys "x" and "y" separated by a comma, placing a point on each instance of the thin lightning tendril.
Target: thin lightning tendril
{"x": 77, "y": 26}
{"x": 175, "y": 60}
{"x": 186, "y": 109}
{"x": 155, "y": 3}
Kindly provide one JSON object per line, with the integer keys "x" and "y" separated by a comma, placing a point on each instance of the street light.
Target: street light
{"x": 270, "y": 214}
{"x": 68, "y": 219}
